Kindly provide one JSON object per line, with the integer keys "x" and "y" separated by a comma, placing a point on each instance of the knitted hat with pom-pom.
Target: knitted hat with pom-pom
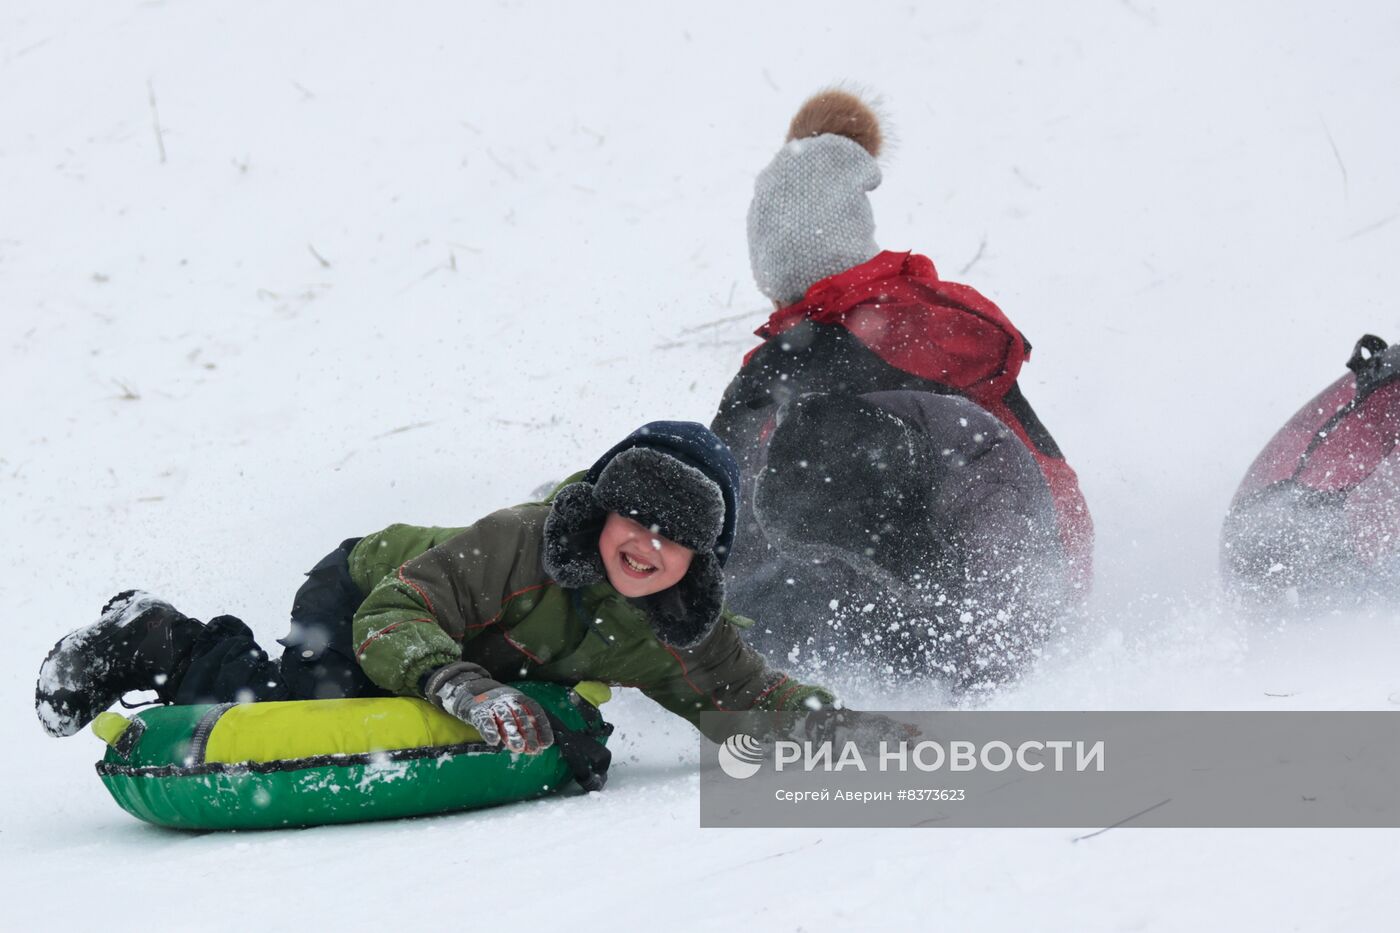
{"x": 810, "y": 215}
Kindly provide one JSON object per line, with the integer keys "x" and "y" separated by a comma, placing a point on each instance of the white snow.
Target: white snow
{"x": 272, "y": 275}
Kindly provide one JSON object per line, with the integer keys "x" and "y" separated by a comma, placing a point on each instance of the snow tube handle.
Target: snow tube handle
{"x": 120, "y": 733}
{"x": 587, "y": 758}
{"x": 1365, "y": 354}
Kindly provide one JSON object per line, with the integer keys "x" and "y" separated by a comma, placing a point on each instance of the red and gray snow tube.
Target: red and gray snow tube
{"x": 1317, "y": 517}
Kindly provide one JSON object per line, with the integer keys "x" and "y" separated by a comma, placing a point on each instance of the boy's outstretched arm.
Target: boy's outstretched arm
{"x": 723, "y": 674}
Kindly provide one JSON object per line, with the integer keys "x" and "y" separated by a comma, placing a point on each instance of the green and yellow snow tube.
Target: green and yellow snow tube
{"x": 309, "y": 762}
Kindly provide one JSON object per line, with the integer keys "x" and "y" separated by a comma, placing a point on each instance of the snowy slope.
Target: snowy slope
{"x": 404, "y": 263}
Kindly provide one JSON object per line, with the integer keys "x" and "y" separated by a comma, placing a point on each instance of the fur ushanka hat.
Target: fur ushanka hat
{"x": 810, "y": 216}
{"x": 680, "y": 480}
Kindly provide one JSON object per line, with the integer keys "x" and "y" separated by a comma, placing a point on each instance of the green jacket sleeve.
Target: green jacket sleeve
{"x": 381, "y": 554}
{"x": 416, "y": 616}
{"x": 723, "y": 673}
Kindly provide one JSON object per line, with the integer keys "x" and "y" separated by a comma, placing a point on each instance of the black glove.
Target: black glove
{"x": 501, "y": 714}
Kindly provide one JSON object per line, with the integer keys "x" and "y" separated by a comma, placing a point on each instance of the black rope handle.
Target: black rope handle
{"x": 1367, "y": 350}
{"x": 587, "y": 758}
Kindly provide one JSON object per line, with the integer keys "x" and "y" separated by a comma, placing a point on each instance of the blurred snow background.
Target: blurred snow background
{"x": 276, "y": 274}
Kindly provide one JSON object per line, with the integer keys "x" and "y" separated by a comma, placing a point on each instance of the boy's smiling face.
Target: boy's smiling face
{"x": 638, "y": 561}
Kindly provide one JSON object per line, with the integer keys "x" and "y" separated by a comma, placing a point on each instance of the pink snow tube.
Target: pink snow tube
{"x": 1317, "y": 517}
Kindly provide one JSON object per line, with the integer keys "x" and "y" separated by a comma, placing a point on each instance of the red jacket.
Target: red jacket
{"x": 948, "y": 334}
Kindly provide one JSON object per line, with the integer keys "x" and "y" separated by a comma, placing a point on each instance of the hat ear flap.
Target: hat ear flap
{"x": 571, "y": 533}
{"x": 683, "y": 615}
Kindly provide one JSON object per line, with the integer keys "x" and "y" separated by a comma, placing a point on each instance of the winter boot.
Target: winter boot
{"x": 139, "y": 643}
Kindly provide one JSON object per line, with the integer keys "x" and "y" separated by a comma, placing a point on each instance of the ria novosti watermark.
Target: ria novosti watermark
{"x": 1052, "y": 769}
{"x": 741, "y": 755}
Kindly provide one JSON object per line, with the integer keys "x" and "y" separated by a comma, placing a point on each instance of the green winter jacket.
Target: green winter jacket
{"x": 482, "y": 594}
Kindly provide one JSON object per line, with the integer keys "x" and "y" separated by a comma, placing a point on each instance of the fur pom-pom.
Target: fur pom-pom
{"x": 841, "y": 112}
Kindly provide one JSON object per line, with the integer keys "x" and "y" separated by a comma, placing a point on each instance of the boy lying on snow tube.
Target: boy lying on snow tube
{"x": 618, "y": 578}
{"x": 1316, "y": 519}
{"x": 996, "y": 572}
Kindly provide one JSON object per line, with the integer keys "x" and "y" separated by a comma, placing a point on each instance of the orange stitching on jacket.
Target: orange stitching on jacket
{"x": 770, "y": 688}
{"x": 506, "y": 602}
{"x": 521, "y": 648}
{"x": 782, "y": 700}
{"x": 685, "y": 675}
{"x": 360, "y": 652}
{"x": 417, "y": 589}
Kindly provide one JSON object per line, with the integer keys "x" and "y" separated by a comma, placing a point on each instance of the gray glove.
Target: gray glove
{"x": 501, "y": 714}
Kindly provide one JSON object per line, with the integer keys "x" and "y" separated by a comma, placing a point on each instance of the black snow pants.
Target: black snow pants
{"x": 318, "y": 659}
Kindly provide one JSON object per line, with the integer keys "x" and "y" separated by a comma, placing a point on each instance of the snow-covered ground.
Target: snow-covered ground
{"x": 276, "y": 274}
